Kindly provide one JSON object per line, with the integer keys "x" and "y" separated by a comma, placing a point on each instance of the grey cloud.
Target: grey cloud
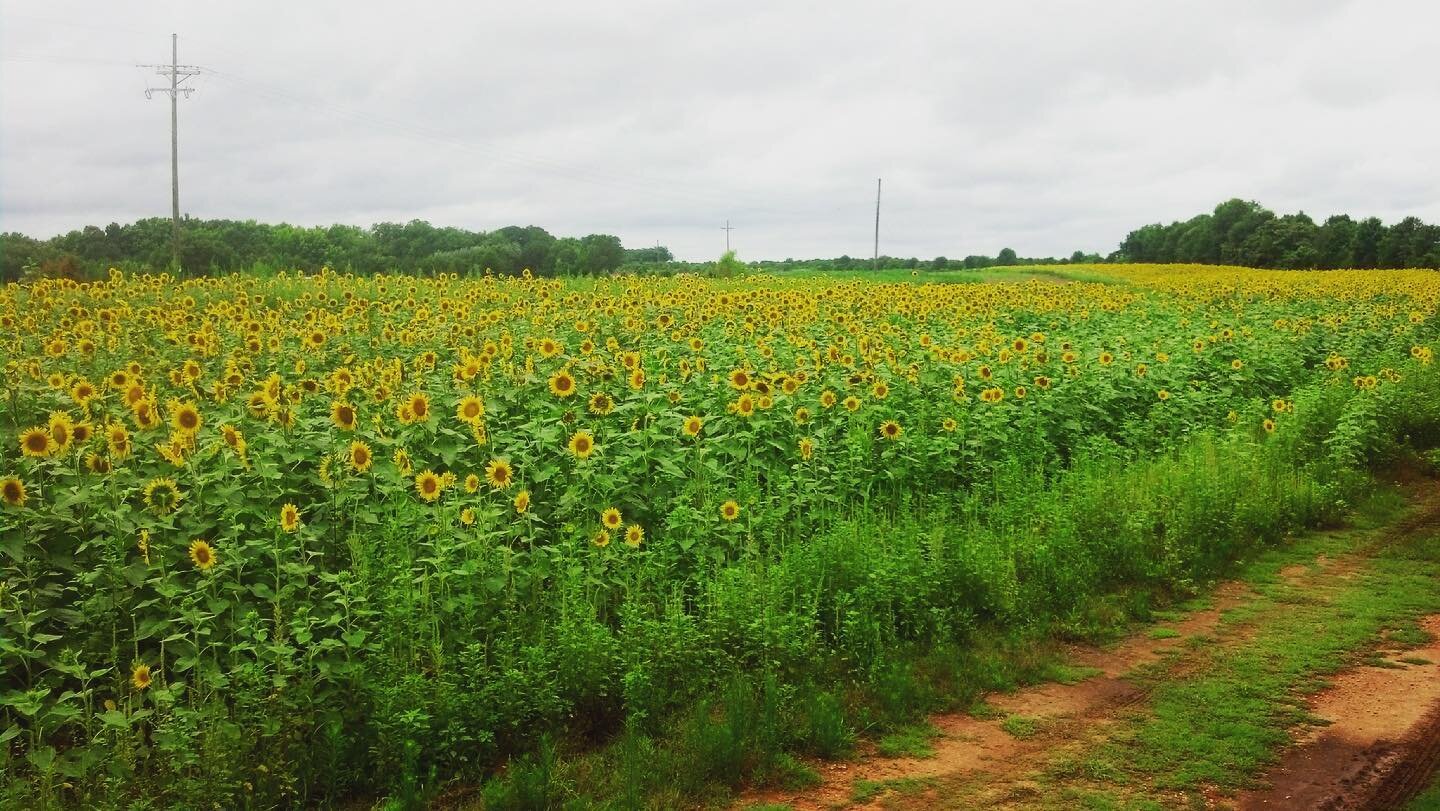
{"x": 1044, "y": 126}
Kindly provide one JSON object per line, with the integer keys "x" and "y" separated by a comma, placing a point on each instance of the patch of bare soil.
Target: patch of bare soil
{"x": 1380, "y": 746}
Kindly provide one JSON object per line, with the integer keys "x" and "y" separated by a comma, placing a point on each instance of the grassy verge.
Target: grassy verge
{"x": 1220, "y": 719}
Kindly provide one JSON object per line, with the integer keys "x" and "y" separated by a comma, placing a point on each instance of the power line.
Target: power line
{"x": 178, "y": 73}
{"x": 727, "y": 229}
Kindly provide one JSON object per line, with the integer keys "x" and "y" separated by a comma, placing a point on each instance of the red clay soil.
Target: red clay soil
{"x": 1381, "y": 745}
{"x": 970, "y": 746}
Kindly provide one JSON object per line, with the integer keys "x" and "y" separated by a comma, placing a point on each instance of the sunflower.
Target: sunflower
{"x": 343, "y": 415}
{"x": 739, "y": 379}
{"x": 499, "y": 474}
{"x": 117, "y": 437}
{"x": 82, "y": 391}
{"x": 12, "y": 492}
{"x": 852, "y": 403}
{"x": 428, "y": 485}
{"x": 745, "y": 406}
{"x": 522, "y": 501}
{"x": 634, "y": 535}
{"x": 601, "y": 404}
{"x": 162, "y": 495}
{"x": 1163, "y": 395}
{"x": 416, "y": 406}
{"x": 610, "y": 517}
{"x": 1237, "y": 364}
{"x": 890, "y": 429}
{"x": 881, "y": 390}
{"x": 470, "y": 410}
{"x": 582, "y": 444}
{"x": 140, "y": 675}
{"x": 96, "y": 463}
{"x": 730, "y": 510}
{"x": 472, "y": 483}
{"x": 467, "y": 517}
{"x": 692, "y": 426}
{"x": 185, "y": 418}
{"x": 202, "y": 555}
{"x": 949, "y": 425}
{"x": 601, "y": 539}
{"x": 807, "y": 448}
{"x": 289, "y": 517}
{"x": 562, "y": 384}
{"x": 36, "y": 442}
{"x": 1268, "y": 425}
{"x": 61, "y": 430}
{"x": 827, "y": 399}
{"x": 802, "y": 415}
{"x": 360, "y": 456}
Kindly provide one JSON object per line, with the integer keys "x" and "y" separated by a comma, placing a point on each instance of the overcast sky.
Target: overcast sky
{"x": 1042, "y": 126}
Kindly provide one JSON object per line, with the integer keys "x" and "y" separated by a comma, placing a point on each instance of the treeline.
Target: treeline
{"x": 221, "y": 246}
{"x": 1005, "y": 258}
{"x": 1245, "y": 233}
{"x": 1238, "y": 232}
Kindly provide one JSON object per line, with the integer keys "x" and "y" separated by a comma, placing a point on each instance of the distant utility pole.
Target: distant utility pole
{"x": 727, "y": 229}
{"x": 875, "y": 263}
{"x": 177, "y": 73}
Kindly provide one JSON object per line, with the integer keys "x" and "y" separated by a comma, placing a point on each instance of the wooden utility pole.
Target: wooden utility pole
{"x": 177, "y": 73}
{"x": 875, "y": 262}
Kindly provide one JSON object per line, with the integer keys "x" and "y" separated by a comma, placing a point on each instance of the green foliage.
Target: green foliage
{"x": 1245, "y": 233}
{"x": 227, "y": 246}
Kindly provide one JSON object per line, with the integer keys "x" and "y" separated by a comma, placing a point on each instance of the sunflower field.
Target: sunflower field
{"x": 291, "y": 540}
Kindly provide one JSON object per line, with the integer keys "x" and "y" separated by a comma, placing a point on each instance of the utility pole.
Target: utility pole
{"x": 177, "y": 73}
{"x": 875, "y": 263}
{"x": 727, "y": 229}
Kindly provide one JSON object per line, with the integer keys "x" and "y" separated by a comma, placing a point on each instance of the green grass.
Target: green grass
{"x": 1021, "y": 727}
{"x": 984, "y": 711}
{"x": 1427, "y": 800}
{"x": 914, "y": 740}
{"x": 869, "y": 790}
{"x": 1162, "y": 633}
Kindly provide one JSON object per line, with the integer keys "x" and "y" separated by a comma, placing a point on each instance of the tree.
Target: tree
{"x": 1005, "y": 257}
{"x": 1367, "y": 243}
{"x": 1335, "y": 244}
{"x": 727, "y": 266}
{"x": 601, "y": 253}
{"x": 939, "y": 263}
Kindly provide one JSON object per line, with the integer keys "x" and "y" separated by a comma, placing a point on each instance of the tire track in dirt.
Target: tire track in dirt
{"x": 980, "y": 751}
{"x": 1065, "y": 713}
{"x": 1381, "y": 743}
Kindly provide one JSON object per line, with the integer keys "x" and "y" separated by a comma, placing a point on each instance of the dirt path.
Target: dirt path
{"x": 1381, "y": 745}
{"x": 1060, "y": 715}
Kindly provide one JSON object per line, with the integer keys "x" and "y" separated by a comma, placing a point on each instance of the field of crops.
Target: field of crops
{"x": 279, "y": 540}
